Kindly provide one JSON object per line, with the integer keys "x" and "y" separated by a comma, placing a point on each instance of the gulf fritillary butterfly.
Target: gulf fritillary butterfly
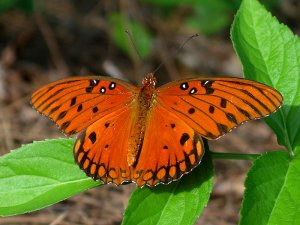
{"x": 147, "y": 135}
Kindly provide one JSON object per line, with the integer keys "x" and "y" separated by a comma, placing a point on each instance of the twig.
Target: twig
{"x": 59, "y": 218}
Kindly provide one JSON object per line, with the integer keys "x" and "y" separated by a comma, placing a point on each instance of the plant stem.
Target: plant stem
{"x": 238, "y": 156}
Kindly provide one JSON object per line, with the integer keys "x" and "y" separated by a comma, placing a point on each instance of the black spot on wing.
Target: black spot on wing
{"x": 209, "y": 91}
{"x": 193, "y": 91}
{"x": 73, "y": 101}
{"x": 211, "y": 109}
{"x": 89, "y": 89}
{"x": 244, "y": 112}
{"x": 93, "y": 137}
{"x": 112, "y": 86}
{"x": 223, "y": 103}
{"x": 95, "y": 109}
{"x": 210, "y": 135}
{"x": 207, "y": 85}
{"x": 184, "y": 86}
{"x": 231, "y": 118}
{"x": 184, "y": 138}
{"x": 79, "y": 108}
{"x": 61, "y": 115}
{"x": 53, "y": 110}
{"x": 102, "y": 90}
{"x": 65, "y": 125}
{"x": 191, "y": 110}
{"x": 222, "y": 128}
{"x": 93, "y": 83}
{"x": 72, "y": 132}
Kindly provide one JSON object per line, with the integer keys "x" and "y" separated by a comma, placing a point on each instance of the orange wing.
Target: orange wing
{"x": 75, "y": 103}
{"x": 213, "y": 107}
{"x": 101, "y": 150}
{"x": 170, "y": 149}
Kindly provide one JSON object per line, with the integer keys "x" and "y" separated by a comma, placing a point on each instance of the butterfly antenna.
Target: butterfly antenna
{"x": 178, "y": 50}
{"x": 133, "y": 44}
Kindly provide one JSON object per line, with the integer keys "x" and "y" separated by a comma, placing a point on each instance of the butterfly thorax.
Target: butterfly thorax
{"x": 143, "y": 106}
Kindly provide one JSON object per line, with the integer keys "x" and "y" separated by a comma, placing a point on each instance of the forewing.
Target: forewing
{"x": 75, "y": 103}
{"x": 170, "y": 149}
{"x": 214, "y": 107}
{"x": 101, "y": 149}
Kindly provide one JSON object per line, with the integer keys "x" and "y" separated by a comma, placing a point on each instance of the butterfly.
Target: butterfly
{"x": 149, "y": 135}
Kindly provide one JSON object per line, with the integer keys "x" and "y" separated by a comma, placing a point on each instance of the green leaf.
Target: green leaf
{"x": 141, "y": 37}
{"x": 180, "y": 202}
{"x": 38, "y": 175}
{"x": 272, "y": 190}
{"x": 270, "y": 53}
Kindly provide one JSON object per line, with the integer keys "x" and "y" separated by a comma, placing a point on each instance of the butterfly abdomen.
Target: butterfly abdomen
{"x": 142, "y": 108}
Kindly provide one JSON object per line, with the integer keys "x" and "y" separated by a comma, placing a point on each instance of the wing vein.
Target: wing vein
{"x": 250, "y": 95}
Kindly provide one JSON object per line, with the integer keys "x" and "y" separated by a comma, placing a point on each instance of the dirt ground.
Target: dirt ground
{"x": 72, "y": 38}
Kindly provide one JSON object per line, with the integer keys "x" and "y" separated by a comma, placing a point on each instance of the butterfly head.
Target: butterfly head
{"x": 149, "y": 80}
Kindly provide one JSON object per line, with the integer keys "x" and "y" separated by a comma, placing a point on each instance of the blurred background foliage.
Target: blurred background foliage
{"x": 206, "y": 17}
{"x": 90, "y": 26}
{"x": 42, "y": 41}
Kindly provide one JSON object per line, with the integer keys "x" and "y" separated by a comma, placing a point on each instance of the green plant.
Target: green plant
{"x": 43, "y": 173}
